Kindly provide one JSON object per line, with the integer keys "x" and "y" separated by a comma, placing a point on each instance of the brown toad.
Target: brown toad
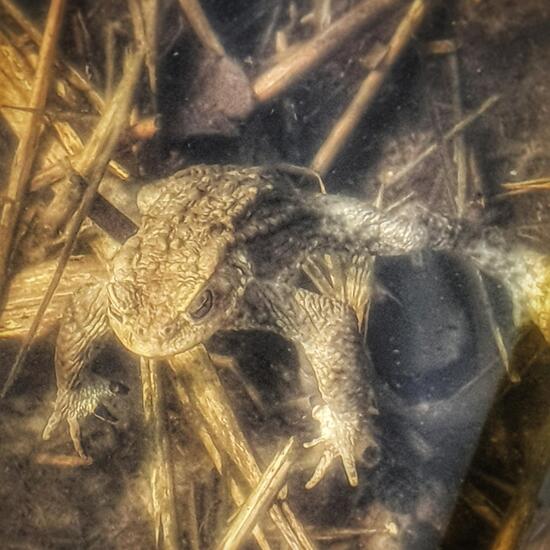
{"x": 223, "y": 248}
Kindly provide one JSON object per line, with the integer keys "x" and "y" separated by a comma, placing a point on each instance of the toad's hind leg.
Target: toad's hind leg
{"x": 79, "y": 391}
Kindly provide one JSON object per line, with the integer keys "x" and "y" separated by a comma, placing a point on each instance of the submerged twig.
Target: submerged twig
{"x": 304, "y": 57}
{"x": 144, "y": 18}
{"x": 257, "y": 502}
{"x": 369, "y": 89}
{"x": 201, "y": 26}
{"x": 149, "y": 9}
{"x": 206, "y": 394}
{"x": 526, "y": 186}
{"x": 448, "y": 49}
{"x": 446, "y": 159}
{"x": 22, "y": 163}
{"x": 199, "y": 426}
{"x": 459, "y": 142}
{"x": 17, "y": 69}
{"x": 74, "y": 76}
{"x": 91, "y": 166}
{"x": 109, "y": 59}
{"x": 158, "y": 461}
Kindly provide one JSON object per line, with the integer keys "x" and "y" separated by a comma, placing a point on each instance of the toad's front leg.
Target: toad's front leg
{"x": 81, "y": 393}
{"x": 326, "y": 334}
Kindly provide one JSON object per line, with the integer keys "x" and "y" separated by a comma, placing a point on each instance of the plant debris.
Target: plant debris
{"x": 440, "y": 104}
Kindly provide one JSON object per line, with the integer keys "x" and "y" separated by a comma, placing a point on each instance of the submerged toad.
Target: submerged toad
{"x": 223, "y": 248}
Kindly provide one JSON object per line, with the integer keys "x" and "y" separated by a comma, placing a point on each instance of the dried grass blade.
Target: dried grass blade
{"x": 206, "y": 394}
{"x": 305, "y": 57}
{"x": 370, "y": 87}
{"x": 27, "y": 147}
{"x": 526, "y": 186}
{"x": 158, "y": 461}
{"x": 257, "y": 502}
{"x": 144, "y": 19}
{"x": 496, "y": 332}
{"x": 73, "y": 75}
{"x": 199, "y": 23}
{"x": 17, "y": 69}
{"x": 201, "y": 430}
{"x": 460, "y": 148}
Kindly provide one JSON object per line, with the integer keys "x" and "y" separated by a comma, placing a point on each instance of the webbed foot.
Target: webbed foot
{"x": 79, "y": 402}
{"x": 339, "y": 437}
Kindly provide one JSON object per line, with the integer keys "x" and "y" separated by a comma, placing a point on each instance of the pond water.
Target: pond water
{"x": 379, "y": 283}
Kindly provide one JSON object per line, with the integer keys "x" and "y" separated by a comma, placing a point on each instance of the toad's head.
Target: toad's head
{"x": 170, "y": 292}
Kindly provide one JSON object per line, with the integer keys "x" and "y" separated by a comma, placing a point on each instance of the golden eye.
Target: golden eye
{"x": 202, "y": 305}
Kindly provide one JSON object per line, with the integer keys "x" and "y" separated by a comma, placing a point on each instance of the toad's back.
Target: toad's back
{"x": 192, "y": 219}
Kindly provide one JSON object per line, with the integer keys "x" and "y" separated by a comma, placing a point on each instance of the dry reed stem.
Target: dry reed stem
{"x": 238, "y": 496}
{"x": 158, "y": 460}
{"x": 449, "y": 180}
{"x": 144, "y": 19}
{"x": 16, "y": 78}
{"x": 109, "y": 59}
{"x": 190, "y": 516}
{"x": 74, "y": 76}
{"x": 206, "y": 394}
{"x": 198, "y": 424}
{"x": 448, "y": 48}
{"x": 13, "y": 196}
{"x": 17, "y": 69}
{"x": 201, "y": 26}
{"x": 199, "y": 427}
{"x": 526, "y": 186}
{"x": 149, "y": 9}
{"x": 369, "y": 89}
{"x": 304, "y": 57}
{"x": 495, "y": 329}
{"x": 459, "y": 142}
{"x": 90, "y": 165}
{"x": 332, "y": 535}
{"x": 259, "y": 500}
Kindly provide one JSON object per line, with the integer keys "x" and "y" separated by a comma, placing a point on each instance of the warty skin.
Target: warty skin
{"x": 222, "y": 248}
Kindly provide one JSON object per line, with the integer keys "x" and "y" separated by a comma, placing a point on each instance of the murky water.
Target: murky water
{"x": 428, "y": 259}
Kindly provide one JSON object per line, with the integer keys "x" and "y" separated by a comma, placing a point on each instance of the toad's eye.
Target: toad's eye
{"x": 201, "y": 305}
